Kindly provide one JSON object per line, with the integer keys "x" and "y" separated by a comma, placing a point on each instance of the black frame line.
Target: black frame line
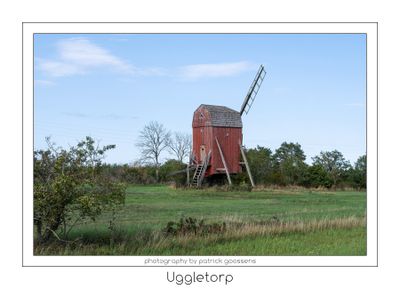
{"x": 219, "y": 266}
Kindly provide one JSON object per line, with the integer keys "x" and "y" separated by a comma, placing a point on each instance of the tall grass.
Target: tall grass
{"x": 156, "y": 242}
{"x": 236, "y": 229}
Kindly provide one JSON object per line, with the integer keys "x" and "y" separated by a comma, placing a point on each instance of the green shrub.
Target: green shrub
{"x": 190, "y": 225}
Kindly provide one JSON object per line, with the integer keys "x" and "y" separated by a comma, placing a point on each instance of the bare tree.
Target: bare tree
{"x": 180, "y": 145}
{"x": 153, "y": 139}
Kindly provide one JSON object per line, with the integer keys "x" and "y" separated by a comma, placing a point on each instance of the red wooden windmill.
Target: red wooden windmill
{"x": 217, "y": 137}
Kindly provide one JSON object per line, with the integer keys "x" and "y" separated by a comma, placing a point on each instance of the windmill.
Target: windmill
{"x": 217, "y": 137}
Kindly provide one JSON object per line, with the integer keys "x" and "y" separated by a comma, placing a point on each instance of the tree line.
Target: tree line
{"x": 287, "y": 166}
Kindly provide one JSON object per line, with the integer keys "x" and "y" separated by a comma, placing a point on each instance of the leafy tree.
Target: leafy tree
{"x": 259, "y": 159}
{"x": 153, "y": 140}
{"x": 317, "y": 176}
{"x": 132, "y": 174}
{"x": 138, "y": 175}
{"x": 289, "y": 164}
{"x": 334, "y": 164}
{"x": 180, "y": 144}
{"x": 69, "y": 187}
{"x": 360, "y": 172}
{"x": 173, "y": 170}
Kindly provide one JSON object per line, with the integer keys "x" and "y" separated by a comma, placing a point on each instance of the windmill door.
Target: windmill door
{"x": 202, "y": 153}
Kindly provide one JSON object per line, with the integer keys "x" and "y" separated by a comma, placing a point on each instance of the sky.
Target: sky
{"x": 109, "y": 86}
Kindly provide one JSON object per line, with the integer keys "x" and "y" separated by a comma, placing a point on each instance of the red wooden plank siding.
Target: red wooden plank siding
{"x": 228, "y": 138}
{"x": 204, "y": 133}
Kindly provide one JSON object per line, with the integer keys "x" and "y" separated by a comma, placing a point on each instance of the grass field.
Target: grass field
{"x": 265, "y": 222}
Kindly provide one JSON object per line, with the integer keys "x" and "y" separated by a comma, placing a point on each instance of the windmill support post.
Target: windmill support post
{"x": 247, "y": 165}
{"x": 187, "y": 175}
{"x": 223, "y": 161}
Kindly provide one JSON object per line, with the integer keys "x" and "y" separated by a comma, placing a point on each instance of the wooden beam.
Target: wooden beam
{"x": 191, "y": 168}
{"x": 223, "y": 161}
{"x": 247, "y": 165}
{"x": 187, "y": 175}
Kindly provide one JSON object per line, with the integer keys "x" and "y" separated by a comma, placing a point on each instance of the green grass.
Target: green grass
{"x": 330, "y": 242}
{"x": 339, "y": 242}
{"x": 306, "y": 218}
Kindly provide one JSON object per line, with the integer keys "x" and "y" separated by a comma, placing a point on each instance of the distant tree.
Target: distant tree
{"x": 153, "y": 140}
{"x": 289, "y": 164}
{"x": 360, "y": 172}
{"x": 180, "y": 144}
{"x": 69, "y": 186}
{"x": 260, "y": 163}
{"x": 132, "y": 174}
{"x": 317, "y": 176}
{"x": 334, "y": 164}
{"x": 173, "y": 170}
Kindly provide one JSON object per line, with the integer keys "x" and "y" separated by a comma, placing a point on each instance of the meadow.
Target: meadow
{"x": 283, "y": 222}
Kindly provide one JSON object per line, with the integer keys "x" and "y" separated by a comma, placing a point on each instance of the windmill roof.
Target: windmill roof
{"x": 223, "y": 116}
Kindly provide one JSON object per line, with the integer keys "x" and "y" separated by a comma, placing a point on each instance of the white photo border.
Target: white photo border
{"x": 368, "y": 28}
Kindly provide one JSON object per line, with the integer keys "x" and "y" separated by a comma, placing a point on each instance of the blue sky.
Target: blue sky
{"x": 109, "y": 86}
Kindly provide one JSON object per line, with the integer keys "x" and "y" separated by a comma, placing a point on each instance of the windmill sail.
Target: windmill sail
{"x": 252, "y": 93}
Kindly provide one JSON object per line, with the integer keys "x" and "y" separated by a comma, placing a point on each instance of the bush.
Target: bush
{"x": 173, "y": 171}
{"x": 190, "y": 225}
{"x": 69, "y": 186}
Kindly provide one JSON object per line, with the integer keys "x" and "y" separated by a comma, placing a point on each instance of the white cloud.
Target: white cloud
{"x": 59, "y": 68}
{"x": 80, "y": 56}
{"x": 196, "y": 71}
{"x": 75, "y": 56}
{"x": 44, "y": 82}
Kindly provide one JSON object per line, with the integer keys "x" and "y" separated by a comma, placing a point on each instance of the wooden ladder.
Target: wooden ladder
{"x": 200, "y": 171}
{"x": 197, "y": 174}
